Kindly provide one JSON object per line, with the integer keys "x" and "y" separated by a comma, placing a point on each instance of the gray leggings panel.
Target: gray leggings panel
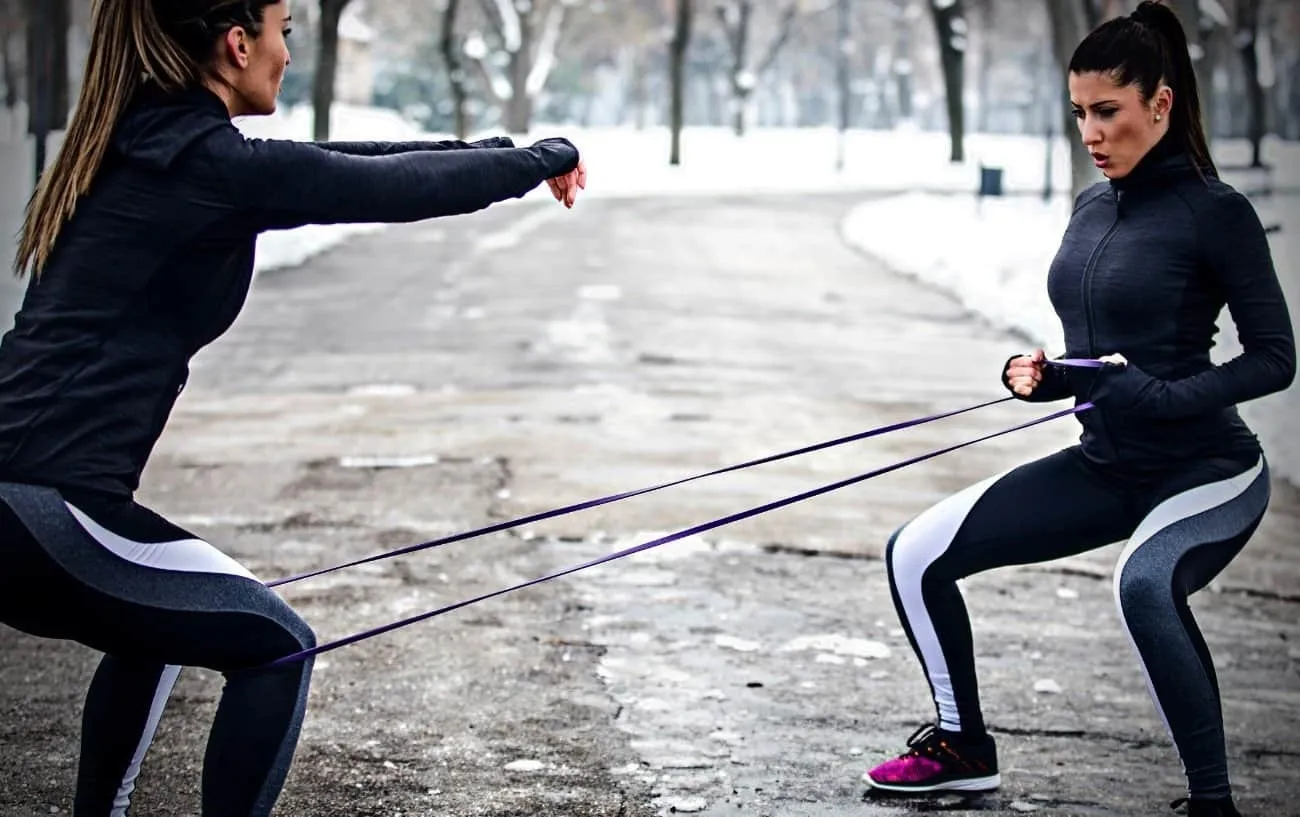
{"x": 1182, "y": 545}
{"x": 153, "y": 598}
{"x": 1181, "y": 531}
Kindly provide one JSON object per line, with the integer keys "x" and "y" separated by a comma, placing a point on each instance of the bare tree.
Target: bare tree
{"x": 11, "y": 24}
{"x": 950, "y": 26}
{"x": 1068, "y": 21}
{"x": 452, "y": 46}
{"x": 327, "y": 63}
{"x": 843, "y": 58}
{"x": 47, "y": 72}
{"x": 677, "y": 67}
{"x": 984, "y": 10}
{"x": 737, "y": 18}
{"x": 525, "y": 35}
{"x": 1247, "y": 39}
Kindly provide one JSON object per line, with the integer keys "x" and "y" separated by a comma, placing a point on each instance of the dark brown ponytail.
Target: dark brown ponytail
{"x": 1186, "y": 114}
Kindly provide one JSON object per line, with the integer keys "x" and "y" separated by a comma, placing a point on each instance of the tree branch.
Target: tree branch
{"x": 786, "y": 27}
{"x": 494, "y": 81}
{"x": 549, "y": 42}
{"x": 504, "y": 18}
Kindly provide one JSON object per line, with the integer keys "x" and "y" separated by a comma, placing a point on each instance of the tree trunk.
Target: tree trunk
{"x": 327, "y": 64}
{"x": 1247, "y": 37}
{"x": 741, "y": 83}
{"x": 456, "y": 78}
{"x": 638, "y": 92}
{"x": 47, "y": 73}
{"x": 987, "y": 24}
{"x": 844, "y": 49}
{"x": 677, "y": 69}
{"x": 1069, "y": 25}
{"x": 10, "y": 70}
{"x": 951, "y": 57}
{"x": 519, "y": 107}
{"x": 903, "y": 63}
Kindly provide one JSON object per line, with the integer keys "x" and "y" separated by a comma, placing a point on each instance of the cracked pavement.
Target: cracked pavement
{"x": 432, "y": 378}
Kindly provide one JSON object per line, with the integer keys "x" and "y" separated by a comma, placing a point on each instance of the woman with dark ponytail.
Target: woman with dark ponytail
{"x": 140, "y": 240}
{"x": 1149, "y": 260}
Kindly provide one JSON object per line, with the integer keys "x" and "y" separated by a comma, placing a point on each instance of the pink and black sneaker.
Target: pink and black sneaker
{"x": 939, "y": 761}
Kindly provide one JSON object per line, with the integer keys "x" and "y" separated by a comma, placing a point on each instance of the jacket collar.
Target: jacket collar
{"x": 1168, "y": 161}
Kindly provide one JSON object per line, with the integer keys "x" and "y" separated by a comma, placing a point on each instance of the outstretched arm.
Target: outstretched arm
{"x": 286, "y": 184}
{"x": 389, "y": 148}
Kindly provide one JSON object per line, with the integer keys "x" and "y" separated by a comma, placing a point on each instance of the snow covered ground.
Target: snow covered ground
{"x": 993, "y": 255}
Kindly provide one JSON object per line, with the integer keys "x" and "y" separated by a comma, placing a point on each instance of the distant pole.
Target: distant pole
{"x": 680, "y": 42}
{"x": 842, "y": 79}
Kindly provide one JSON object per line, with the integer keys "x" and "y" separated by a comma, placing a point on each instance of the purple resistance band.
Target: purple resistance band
{"x": 682, "y": 534}
{"x": 582, "y": 506}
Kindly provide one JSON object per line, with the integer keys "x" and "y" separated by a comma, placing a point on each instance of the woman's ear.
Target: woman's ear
{"x": 1164, "y": 101}
{"x": 235, "y": 46}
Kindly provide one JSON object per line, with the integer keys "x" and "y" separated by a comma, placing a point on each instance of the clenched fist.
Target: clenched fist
{"x": 1024, "y": 373}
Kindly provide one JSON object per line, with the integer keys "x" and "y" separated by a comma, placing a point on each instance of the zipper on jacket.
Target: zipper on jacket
{"x": 1091, "y": 267}
{"x": 1088, "y": 270}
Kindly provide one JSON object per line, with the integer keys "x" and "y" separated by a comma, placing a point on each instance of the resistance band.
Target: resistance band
{"x": 582, "y": 506}
{"x": 682, "y": 534}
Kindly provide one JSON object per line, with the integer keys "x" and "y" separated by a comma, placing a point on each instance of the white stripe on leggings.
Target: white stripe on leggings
{"x": 184, "y": 555}
{"x": 122, "y": 801}
{"x": 181, "y": 555}
{"x": 921, "y": 542}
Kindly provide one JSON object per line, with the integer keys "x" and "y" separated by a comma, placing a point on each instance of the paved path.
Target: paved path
{"x": 529, "y": 357}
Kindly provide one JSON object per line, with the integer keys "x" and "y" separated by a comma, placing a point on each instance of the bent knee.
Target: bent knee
{"x": 298, "y": 628}
{"x": 1140, "y": 587}
{"x": 907, "y": 557}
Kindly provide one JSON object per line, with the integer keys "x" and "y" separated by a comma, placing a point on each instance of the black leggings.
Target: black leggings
{"x": 120, "y": 579}
{"x": 1181, "y": 530}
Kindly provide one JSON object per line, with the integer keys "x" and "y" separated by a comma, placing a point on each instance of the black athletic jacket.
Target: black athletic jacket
{"x": 1145, "y": 268}
{"x": 158, "y": 258}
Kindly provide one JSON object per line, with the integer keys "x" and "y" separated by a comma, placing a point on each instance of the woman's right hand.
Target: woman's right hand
{"x": 1024, "y": 373}
{"x": 565, "y": 188}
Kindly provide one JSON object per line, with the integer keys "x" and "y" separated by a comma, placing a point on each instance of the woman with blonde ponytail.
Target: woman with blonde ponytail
{"x": 138, "y": 247}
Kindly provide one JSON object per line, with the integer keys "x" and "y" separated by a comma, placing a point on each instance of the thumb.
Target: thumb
{"x": 1038, "y": 356}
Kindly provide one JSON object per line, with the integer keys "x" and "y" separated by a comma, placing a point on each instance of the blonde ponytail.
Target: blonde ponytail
{"x": 126, "y": 44}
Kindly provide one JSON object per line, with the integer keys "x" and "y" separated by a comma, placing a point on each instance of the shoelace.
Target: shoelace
{"x": 927, "y": 742}
{"x": 922, "y": 740}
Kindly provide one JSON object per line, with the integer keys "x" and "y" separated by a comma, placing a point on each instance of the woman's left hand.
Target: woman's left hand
{"x": 565, "y": 188}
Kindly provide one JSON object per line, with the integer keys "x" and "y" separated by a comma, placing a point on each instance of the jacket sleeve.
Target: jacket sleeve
{"x": 1054, "y": 385}
{"x": 389, "y": 148}
{"x": 282, "y": 184}
{"x": 1239, "y": 264}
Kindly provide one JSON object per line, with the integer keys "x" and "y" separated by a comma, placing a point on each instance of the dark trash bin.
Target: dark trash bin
{"x": 990, "y": 181}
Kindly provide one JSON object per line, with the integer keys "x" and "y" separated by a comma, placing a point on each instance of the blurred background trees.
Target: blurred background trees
{"x": 991, "y": 66}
